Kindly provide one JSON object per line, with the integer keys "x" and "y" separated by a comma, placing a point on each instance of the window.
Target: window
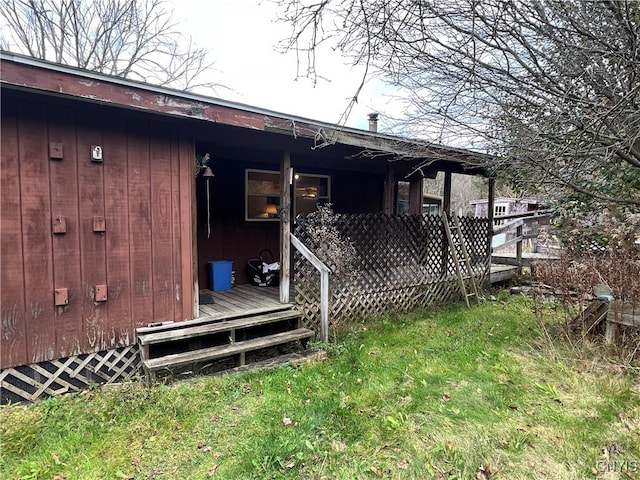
{"x": 402, "y": 197}
{"x": 498, "y": 211}
{"x": 311, "y": 190}
{"x": 263, "y": 194}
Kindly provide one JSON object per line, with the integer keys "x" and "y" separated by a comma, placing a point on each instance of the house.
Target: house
{"x": 116, "y": 196}
{"x": 505, "y": 206}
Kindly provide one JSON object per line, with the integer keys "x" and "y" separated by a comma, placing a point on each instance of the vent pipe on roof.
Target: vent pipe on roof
{"x": 373, "y": 122}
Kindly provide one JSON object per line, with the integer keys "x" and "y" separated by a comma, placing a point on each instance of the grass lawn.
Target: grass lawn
{"x": 433, "y": 394}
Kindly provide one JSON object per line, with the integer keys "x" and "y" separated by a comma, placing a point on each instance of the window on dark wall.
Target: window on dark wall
{"x": 402, "y": 197}
{"x": 263, "y": 194}
{"x": 311, "y": 190}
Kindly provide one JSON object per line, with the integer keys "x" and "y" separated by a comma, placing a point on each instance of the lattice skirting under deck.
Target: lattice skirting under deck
{"x": 401, "y": 263}
{"x": 71, "y": 374}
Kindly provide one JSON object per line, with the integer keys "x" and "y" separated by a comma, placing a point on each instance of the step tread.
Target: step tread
{"x": 293, "y": 359}
{"x": 215, "y": 327}
{"x": 212, "y": 353}
{"x": 212, "y": 319}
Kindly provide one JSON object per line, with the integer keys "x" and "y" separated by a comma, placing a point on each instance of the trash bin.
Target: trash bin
{"x": 220, "y": 275}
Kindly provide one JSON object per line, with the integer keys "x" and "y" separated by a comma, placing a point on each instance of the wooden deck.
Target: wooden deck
{"x": 510, "y": 258}
{"x": 502, "y": 273}
{"x": 240, "y": 299}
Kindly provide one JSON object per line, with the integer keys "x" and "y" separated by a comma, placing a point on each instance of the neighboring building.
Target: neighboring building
{"x": 504, "y": 206}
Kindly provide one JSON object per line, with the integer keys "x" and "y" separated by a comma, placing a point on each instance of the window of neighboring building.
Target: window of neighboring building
{"x": 431, "y": 207}
{"x": 263, "y": 194}
{"x": 499, "y": 210}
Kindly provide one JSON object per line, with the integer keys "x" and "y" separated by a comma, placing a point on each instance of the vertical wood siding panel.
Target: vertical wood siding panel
{"x": 117, "y": 237}
{"x": 188, "y": 236}
{"x": 66, "y": 246}
{"x": 13, "y": 341}
{"x": 160, "y": 150}
{"x": 36, "y": 222}
{"x": 140, "y": 222}
{"x": 92, "y": 244}
{"x": 176, "y": 232}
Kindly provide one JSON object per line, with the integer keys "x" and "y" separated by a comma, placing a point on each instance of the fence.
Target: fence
{"x": 402, "y": 263}
{"x": 66, "y": 375}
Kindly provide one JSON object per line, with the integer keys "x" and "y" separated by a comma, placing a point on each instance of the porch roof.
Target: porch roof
{"x": 32, "y": 74}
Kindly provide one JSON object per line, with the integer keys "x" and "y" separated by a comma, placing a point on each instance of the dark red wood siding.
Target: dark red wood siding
{"x": 142, "y": 192}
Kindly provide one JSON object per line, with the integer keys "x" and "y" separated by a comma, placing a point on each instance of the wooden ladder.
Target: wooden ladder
{"x": 453, "y": 243}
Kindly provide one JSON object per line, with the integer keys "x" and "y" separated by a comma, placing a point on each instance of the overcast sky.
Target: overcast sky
{"x": 242, "y": 36}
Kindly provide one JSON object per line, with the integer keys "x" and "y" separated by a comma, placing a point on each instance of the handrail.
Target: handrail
{"x": 507, "y": 226}
{"x": 529, "y": 214}
{"x": 324, "y": 284}
{"x": 518, "y": 220}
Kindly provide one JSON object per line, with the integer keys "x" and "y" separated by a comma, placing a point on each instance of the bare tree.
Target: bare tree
{"x": 128, "y": 38}
{"x": 550, "y": 88}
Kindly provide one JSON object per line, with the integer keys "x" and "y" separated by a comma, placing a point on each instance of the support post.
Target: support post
{"x": 490, "y": 209}
{"x": 285, "y": 226}
{"x": 389, "y": 188}
{"x": 446, "y": 201}
{"x": 415, "y": 196}
{"x": 324, "y": 305}
{"x": 446, "y": 210}
{"x": 519, "y": 248}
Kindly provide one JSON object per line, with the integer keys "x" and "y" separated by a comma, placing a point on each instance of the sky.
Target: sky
{"x": 242, "y": 37}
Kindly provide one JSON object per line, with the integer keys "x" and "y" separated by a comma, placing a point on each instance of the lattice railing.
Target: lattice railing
{"x": 72, "y": 374}
{"x": 403, "y": 263}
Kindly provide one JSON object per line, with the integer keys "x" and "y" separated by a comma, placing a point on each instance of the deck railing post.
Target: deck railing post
{"x": 519, "y": 248}
{"x": 324, "y": 284}
{"x": 490, "y": 216}
{"x": 324, "y": 305}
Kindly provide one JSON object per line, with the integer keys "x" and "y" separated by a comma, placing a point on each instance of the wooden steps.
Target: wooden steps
{"x": 232, "y": 341}
{"x": 213, "y": 353}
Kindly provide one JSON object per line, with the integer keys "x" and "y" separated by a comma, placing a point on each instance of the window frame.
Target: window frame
{"x": 315, "y": 175}
{"x": 247, "y": 171}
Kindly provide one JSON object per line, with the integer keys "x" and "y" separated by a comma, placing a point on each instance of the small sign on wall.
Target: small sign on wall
{"x": 96, "y": 153}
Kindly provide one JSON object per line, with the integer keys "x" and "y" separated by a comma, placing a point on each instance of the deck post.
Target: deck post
{"x": 285, "y": 226}
{"x": 446, "y": 201}
{"x": 389, "y": 186}
{"x": 324, "y": 305}
{"x": 490, "y": 211}
{"x": 416, "y": 196}
{"x": 519, "y": 248}
{"x": 446, "y": 209}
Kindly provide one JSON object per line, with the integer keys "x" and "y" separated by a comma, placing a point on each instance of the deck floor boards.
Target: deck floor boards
{"x": 239, "y": 299}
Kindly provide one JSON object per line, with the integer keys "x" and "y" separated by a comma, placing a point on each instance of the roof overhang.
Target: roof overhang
{"x": 27, "y": 73}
